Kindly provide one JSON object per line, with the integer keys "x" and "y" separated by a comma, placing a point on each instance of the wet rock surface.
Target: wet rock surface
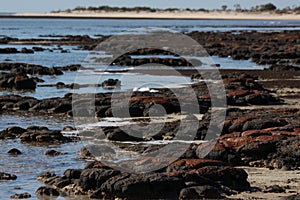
{"x": 6, "y": 176}
{"x": 54, "y": 153}
{"x": 14, "y": 151}
{"x": 128, "y": 60}
{"x": 31, "y": 69}
{"x": 241, "y": 90}
{"x": 202, "y": 176}
{"x": 17, "y": 81}
{"x": 47, "y": 191}
{"x": 21, "y": 196}
{"x": 262, "y": 48}
{"x": 260, "y": 138}
{"x": 25, "y": 195}
{"x": 82, "y": 41}
{"x": 36, "y": 134}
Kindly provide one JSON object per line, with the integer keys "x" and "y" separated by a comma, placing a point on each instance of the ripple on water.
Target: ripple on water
{"x": 32, "y": 161}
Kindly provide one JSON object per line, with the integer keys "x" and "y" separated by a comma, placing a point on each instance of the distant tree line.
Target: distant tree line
{"x": 269, "y": 7}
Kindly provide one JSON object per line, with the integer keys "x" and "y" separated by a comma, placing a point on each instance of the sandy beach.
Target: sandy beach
{"x": 222, "y": 15}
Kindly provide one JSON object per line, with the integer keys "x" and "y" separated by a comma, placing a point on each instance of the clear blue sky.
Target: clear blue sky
{"x": 49, "y": 5}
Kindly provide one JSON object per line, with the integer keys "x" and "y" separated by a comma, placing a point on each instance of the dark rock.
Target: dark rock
{"x": 12, "y": 132}
{"x": 111, "y": 83}
{"x": 72, "y": 173}
{"x": 127, "y": 60}
{"x": 274, "y": 189}
{"x": 24, "y": 83}
{"x": 8, "y": 51}
{"x": 25, "y": 50}
{"x": 44, "y": 105}
{"x": 5, "y": 176}
{"x": 259, "y": 124}
{"x": 69, "y": 128}
{"x": 134, "y": 186}
{"x": 38, "y": 49}
{"x": 291, "y": 197}
{"x": 202, "y": 192}
{"x": 21, "y": 196}
{"x": 37, "y": 128}
{"x": 116, "y": 134}
{"x": 47, "y": 191}
{"x": 17, "y": 81}
{"x": 276, "y": 47}
{"x": 101, "y": 111}
{"x": 14, "y": 152}
{"x": 60, "y": 85}
{"x": 189, "y": 164}
{"x": 94, "y": 178}
{"x": 31, "y": 69}
{"x": 233, "y": 178}
{"x": 44, "y": 136}
{"x": 284, "y": 68}
{"x": 85, "y": 153}
{"x": 62, "y": 108}
{"x": 53, "y": 153}
{"x": 45, "y": 176}
{"x": 70, "y": 68}
{"x": 287, "y": 154}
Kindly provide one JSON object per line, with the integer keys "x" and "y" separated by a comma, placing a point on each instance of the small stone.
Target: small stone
{"x": 5, "y": 176}
{"x": 274, "y": 189}
{"x": 54, "y": 153}
{"x": 21, "y": 196}
{"x": 14, "y": 151}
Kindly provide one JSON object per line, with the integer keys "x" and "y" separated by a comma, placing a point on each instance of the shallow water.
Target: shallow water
{"x": 42, "y": 28}
{"x": 32, "y": 162}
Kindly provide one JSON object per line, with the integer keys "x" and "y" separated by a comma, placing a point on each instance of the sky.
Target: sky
{"x": 41, "y": 6}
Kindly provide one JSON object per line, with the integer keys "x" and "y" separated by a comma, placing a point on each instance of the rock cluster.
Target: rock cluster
{"x": 181, "y": 180}
{"x": 127, "y": 60}
{"x": 276, "y": 48}
{"x": 262, "y": 138}
{"x": 25, "y": 195}
{"x": 31, "y": 69}
{"x": 14, "y": 50}
{"x": 241, "y": 90}
{"x": 35, "y": 134}
{"x": 17, "y": 81}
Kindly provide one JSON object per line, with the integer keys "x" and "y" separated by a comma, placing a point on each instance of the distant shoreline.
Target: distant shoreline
{"x": 180, "y": 15}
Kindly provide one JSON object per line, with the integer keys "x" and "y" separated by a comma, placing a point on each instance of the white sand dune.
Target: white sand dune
{"x": 168, "y": 15}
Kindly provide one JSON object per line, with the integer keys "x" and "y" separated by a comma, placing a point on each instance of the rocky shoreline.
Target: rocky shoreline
{"x": 256, "y": 137}
{"x": 261, "y": 130}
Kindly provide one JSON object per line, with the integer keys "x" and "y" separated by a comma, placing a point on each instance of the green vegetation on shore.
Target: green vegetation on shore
{"x": 269, "y": 7}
